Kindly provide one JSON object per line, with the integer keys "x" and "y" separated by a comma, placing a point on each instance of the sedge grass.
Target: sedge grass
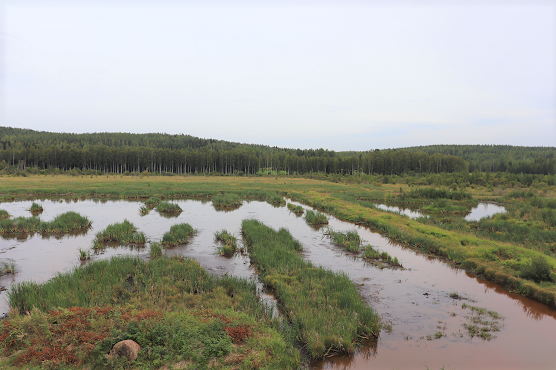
{"x": 123, "y": 233}
{"x": 316, "y": 218}
{"x": 324, "y": 309}
{"x": 226, "y": 201}
{"x": 155, "y": 250}
{"x": 19, "y": 225}
{"x": 298, "y": 210}
{"x": 4, "y": 214}
{"x": 228, "y": 241}
{"x": 152, "y": 202}
{"x": 64, "y": 223}
{"x": 349, "y": 240}
{"x": 36, "y": 208}
{"x": 167, "y": 207}
{"x": 178, "y": 235}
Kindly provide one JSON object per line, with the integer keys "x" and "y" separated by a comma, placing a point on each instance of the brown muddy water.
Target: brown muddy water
{"x": 415, "y": 301}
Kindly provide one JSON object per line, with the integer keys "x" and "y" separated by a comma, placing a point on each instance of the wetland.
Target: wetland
{"x": 426, "y": 308}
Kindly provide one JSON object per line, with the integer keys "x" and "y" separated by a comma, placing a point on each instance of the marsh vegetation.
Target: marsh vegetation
{"x": 121, "y": 233}
{"x": 228, "y": 241}
{"x": 178, "y": 235}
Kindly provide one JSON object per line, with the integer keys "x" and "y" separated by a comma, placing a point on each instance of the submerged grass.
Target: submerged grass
{"x": 380, "y": 258}
{"x": 178, "y": 235}
{"x": 324, "y": 309}
{"x": 177, "y": 313}
{"x": 229, "y": 242}
{"x": 123, "y": 233}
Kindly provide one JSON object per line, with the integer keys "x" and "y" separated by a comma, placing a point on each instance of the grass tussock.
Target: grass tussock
{"x": 228, "y": 241}
{"x": 152, "y": 202}
{"x": 155, "y": 250}
{"x": 4, "y": 214}
{"x": 63, "y": 223}
{"x": 122, "y": 233}
{"x": 171, "y": 307}
{"x": 316, "y": 218}
{"x": 36, "y": 208}
{"x": 324, "y": 309}
{"x": 349, "y": 240}
{"x": 167, "y": 207}
{"x": 178, "y": 235}
{"x": 226, "y": 201}
{"x": 298, "y": 210}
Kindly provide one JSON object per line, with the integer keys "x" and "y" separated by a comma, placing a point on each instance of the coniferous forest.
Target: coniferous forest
{"x": 23, "y": 149}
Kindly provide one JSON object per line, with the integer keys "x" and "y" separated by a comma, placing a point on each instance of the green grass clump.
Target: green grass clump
{"x": 152, "y": 202}
{"x": 316, "y": 218}
{"x": 275, "y": 200}
{"x": 171, "y": 306}
{"x": 20, "y": 225}
{"x": 123, "y": 233}
{"x": 324, "y": 309}
{"x": 229, "y": 242}
{"x": 349, "y": 240}
{"x": 64, "y": 223}
{"x": 298, "y": 210}
{"x": 144, "y": 210}
{"x": 167, "y": 207}
{"x": 226, "y": 201}
{"x": 179, "y": 234}
{"x": 155, "y": 250}
{"x": 4, "y": 214}
{"x": 84, "y": 254}
{"x": 36, "y": 208}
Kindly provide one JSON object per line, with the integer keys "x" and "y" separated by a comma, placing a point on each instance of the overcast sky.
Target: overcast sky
{"x": 337, "y": 75}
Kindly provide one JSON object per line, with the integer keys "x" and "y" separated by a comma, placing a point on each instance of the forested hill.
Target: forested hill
{"x": 493, "y": 158}
{"x": 21, "y": 149}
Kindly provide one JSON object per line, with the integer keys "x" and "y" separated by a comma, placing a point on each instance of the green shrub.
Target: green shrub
{"x": 537, "y": 269}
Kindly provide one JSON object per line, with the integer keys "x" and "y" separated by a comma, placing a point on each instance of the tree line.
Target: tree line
{"x": 185, "y": 154}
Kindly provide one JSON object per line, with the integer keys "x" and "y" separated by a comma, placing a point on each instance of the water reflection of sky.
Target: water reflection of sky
{"x": 476, "y": 213}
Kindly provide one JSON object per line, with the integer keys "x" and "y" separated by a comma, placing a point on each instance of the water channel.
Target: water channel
{"x": 415, "y": 301}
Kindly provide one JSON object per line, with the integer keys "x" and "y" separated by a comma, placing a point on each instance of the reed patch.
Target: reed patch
{"x": 324, "y": 309}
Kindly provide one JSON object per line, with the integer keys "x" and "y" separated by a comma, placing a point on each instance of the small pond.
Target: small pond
{"x": 483, "y": 209}
{"x": 415, "y": 302}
